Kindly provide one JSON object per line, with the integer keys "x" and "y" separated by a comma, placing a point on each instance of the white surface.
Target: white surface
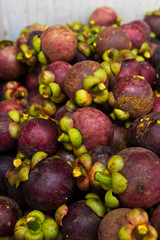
{"x": 17, "y": 14}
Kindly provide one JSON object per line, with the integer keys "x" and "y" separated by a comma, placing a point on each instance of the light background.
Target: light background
{"x": 17, "y": 14}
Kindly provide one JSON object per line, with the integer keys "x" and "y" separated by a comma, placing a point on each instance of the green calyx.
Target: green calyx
{"x": 112, "y": 181}
{"x": 138, "y": 226}
{"x": 35, "y": 226}
{"x": 70, "y": 135}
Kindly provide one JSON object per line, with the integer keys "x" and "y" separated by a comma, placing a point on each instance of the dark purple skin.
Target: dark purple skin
{"x": 61, "y": 112}
{"x": 58, "y": 43}
{"x": 111, "y": 37}
{"x": 145, "y": 132}
{"x": 51, "y": 184}
{"x": 142, "y": 170}
{"x": 103, "y": 16}
{"x": 154, "y": 22}
{"x": 145, "y": 27}
{"x": 134, "y": 33}
{"x": 156, "y": 105}
{"x": 155, "y": 219}
{"x": 7, "y": 143}
{"x": 148, "y": 71}
{"x": 81, "y": 222}
{"x": 112, "y": 223}
{"x": 156, "y": 57}
{"x": 31, "y": 35}
{"x": 9, "y": 105}
{"x": 102, "y": 154}
{"x": 38, "y": 134}
{"x": 134, "y": 95}
{"x": 10, "y": 68}
{"x": 6, "y": 162}
{"x": 10, "y": 213}
{"x": 119, "y": 140}
{"x": 60, "y": 69}
{"x": 17, "y": 195}
{"x": 129, "y": 68}
{"x": 95, "y": 127}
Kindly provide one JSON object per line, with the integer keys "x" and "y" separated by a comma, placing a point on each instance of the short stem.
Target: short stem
{"x": 140, "y": 232}
{"x": 102, "y": 178}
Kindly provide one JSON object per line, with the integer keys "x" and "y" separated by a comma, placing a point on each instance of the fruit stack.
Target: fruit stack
{"x": 75, "y": 93}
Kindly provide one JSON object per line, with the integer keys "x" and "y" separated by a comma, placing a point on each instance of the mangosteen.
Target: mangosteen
{"x": 10, "y": 68}
{"x": 38, "y": 134}
{"x": 142, "y": 170}
{"x": 153, "y": 19}
{"x": 10, "y": 213}
{"x": 80, "y": 222}
{"x": 103, "y": 16}
{"x": 50, "y": 184}
{"x": 111, "y": 37}
{"x": 134, "y": 95}
{"x": 8, "y": 105}
{"x": 58, "y": 43}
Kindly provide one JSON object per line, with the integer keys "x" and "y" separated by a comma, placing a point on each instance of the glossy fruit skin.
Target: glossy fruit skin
{"x": 10, "y": 213}
{"x": 111, "y": 37}
{"x": 10, "y": 68}
{"x": 154, "y": 22}
{"x": 7, "y": 143}
{"x": 51, "y": 184}
{"x": 144, "y": 132}
{"x": 111, "y": 224}
{"x": 58, "y": 43}
{"x": 34, "y": 136}
{"x": 128, "y": 68}
{"x": 134, "y": 95}
{"x": 95, "y": 127}
{"x": 145, "y": 27}
{"x": 142, "y": 170}
{"x": 80, "y": 221}
{"x": 74, "y": 77}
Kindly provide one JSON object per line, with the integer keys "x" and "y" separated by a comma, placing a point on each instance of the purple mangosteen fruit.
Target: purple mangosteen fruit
{"x": 8, "y": 105}
{"x": 58, "y": 43}
{"x": 155, "y": 218}
{"x": 134, "y": 95}
{"x": 87, "y": 128}
{"x": 142, "y": 171}
{"x": 153, "y": 19}
{"x": 80, "y": 222}
{"x": 103, "y": 16}
{"x": 7, "y": 143}
{"x": 10, "y": 68}
{"x": 50, "y": 184}
{"x": 86, "y": 81}
{"x": 126, "y": 223}
{"x": 111, "y": 37}
{"x": 10, "y": 212}
{"x": 134, "y": 33}
{"x": 144, "y": 132}
{"x": 38, "y": 134}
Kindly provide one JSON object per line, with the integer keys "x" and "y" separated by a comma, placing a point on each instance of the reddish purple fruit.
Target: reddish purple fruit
{"x": 134, "y": 95}
{"x": 58, "y": 43}
{"x": 8, "y": 105}
{"x": 95, "y": 127}
{"x": 103, "y": 16}
{"x": 10, "y": 213}
{"x": 60, "y": 69}
{"x": 153, "y": 19}
{"x": 134, "y": 33}
{"x": 38, "y": 134}
{"x": 111, "y": 37}
{"x": 10, "y": 68}
{"x": 51, "y": 184}
{"x": 142, "y": 170}
{"x": 155, "y": 219}
{"x": 145, "y": 27}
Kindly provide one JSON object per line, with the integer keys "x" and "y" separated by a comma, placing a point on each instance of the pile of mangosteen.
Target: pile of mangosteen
{"x": 80, "y": 130}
